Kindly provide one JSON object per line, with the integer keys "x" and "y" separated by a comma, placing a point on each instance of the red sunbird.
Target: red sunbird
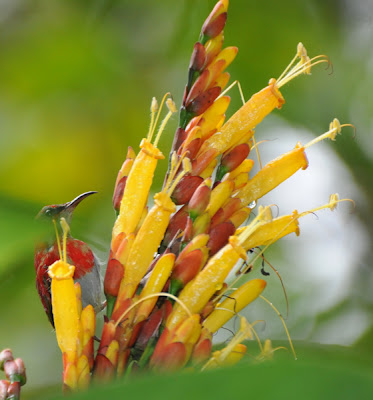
{"x": 79, "y": 254}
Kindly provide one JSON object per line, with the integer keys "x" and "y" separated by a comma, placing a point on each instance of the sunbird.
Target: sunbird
{"x": 79, "y": 254}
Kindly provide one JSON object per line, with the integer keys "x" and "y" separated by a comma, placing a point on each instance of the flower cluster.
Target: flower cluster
{"x": 15, "y": 372}
{"x": 166, "y": 280}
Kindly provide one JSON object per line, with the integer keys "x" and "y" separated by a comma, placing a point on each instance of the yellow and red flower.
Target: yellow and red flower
{"x": 166, "y": 281}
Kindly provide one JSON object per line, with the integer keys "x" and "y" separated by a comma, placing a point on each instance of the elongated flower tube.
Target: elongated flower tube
{"x": 273, "y": 174}
{"x": 66, "y": 317}
{"x": 236, "y": 301}
{"x": 150, "y": 234}
{"x": 137, "y": 188}
{"x": 122, "y": 179}
{"x": 75, "y": 327}
{"x": 198, "y": 292}
{"x": 140, "y": 179}
{"x": 155, "y": 284}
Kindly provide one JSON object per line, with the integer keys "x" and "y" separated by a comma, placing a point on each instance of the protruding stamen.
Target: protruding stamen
{"x": 171, "y": 109}
{"x": 65, "y": 230}
{"x": 187, "y": 167}
{"x": 174, "y": 167}
{"x": 283, "y": 323}
{"x": 263, "y": 214}
{"x": 150, "y": 296}
{"x": 303, "y": 66}
{"x": 154, "y": 108}
{"x": 332, "y": 205}
{"x": 58, "y": 238}
{"x": 334, "y": 128}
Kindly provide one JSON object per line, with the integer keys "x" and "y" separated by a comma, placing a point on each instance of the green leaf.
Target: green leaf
{"x": 330, "y": 372}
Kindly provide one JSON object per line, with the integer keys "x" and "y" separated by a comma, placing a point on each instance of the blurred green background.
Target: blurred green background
{"x": 76, "y": 81}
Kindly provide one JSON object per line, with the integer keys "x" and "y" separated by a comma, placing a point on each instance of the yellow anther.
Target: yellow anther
{"x": 301, "y": 50}
{"x": 171, "y": 105}
{"x": 335, "y": 128}
{"x": 154, "y": 109}
{"x": 172, "y": 182}
{"x": 154, "y": 105}
{"x": 333, "y": 201}
{"x": 303, "y": 66}
{"x": 171, "y": 109}
{"x": 332, "y": 205}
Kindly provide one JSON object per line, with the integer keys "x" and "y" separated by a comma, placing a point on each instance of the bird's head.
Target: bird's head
{"x": 57, "y": 211}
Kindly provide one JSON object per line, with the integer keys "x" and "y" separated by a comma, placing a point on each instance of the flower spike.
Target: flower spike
{"x": 167, "y": 282}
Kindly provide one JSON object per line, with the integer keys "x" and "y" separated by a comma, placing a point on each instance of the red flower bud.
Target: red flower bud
{"x": 202, "y": 349}
{"x": 203, "y": 101}
{"x": 5, "y": 355}
{"x": 118, "y": 193}
{"x": 113, "y": 277}
{"x": 192, "y": 148}
{"x": 4, "y": 385}
{"x": 219, "y": 236}
{"x": 150, "y": 328}
{"x": 180, "y": 136}
{"x": 172, "y": 358}
{"x": 14, "y": 391}
{"x": 200, "y": 199}
{"x": 215, "y": 22}
{"x": 233, "y": 159}
{"x": 199, "y": 86}
{"x": 198, "y": 58}
{"x": 104, "y": 369}
{"x": 185, "y": 189}
{"x": 187, "y": 267}
{"x": 177, "y": 223}
{"x": 203, "y": 161}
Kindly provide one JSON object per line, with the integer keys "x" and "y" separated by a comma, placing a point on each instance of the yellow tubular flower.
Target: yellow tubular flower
{"x": 219, "y": 195}
{"x": 236, "y": 301}
{"x": 246, "y": 118}
{"x": 272, "y": 174}
{"x": 225, "y": 356}
{"x": 198, "y": 292}
{"x": 212, "y": 116}
{"x": 271, "y": 231}
{"x": 137, "y": 188}
{"x": 155, "y": 284}
{"x": 146, "y": 243}
{"x": 245, "y": 167}
{"x": 65, "y": 308}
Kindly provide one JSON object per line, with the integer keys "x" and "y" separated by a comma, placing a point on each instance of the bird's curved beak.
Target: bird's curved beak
{"x": 73, "y": 203}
